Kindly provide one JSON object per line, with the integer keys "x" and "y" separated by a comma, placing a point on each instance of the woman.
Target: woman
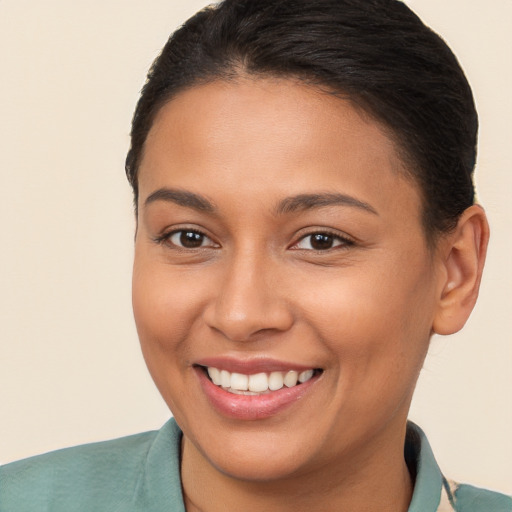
{"x": 302, "y": 174}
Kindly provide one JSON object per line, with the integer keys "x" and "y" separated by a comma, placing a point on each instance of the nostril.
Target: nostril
{"x": 241, "y": 323}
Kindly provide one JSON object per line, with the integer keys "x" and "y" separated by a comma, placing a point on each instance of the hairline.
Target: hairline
{"x": 236, "y": 69}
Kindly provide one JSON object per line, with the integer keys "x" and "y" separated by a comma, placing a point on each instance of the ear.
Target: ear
{"x": 462, "y": 257}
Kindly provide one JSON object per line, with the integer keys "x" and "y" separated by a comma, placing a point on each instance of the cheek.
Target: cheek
{"x": 375, "y": 321}
{"x": 165, "y": 308}
{"x": 165, "y": 314}
{"x": 378, "y": 339}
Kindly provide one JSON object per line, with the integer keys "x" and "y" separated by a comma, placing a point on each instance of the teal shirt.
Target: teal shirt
{"x": 141, "y": 473}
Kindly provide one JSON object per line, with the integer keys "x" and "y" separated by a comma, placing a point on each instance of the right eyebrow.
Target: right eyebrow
{"x": 181, "y": 198}
{"x": 303, "y": 202}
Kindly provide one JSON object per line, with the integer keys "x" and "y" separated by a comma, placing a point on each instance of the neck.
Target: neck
{"x": 377, "y": 480}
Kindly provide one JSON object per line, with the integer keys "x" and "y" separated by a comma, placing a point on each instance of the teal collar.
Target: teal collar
{"x": 429, "y": 484}
{"x": 160, "y": 483}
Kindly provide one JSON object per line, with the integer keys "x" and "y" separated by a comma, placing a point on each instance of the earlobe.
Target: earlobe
{"x": 463, "y": 258}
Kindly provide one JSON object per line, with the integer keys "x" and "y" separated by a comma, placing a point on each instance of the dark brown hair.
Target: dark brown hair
{"x": 376, "y": 52}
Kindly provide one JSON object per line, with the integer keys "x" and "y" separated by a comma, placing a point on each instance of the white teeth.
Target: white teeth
{"x": 225, "y": 379}
{"x": 240, "y": 383}
{"x": 238, "y": 392}
{"x": 290, "y": 379}
{"x": 275, "y": 381}
{"x": 214, "y": 375}
{"x": 258, "y": 382}
{"x": 305, "y": 376}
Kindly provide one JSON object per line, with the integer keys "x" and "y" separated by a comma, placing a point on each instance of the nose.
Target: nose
{"x": 249, "y": 300}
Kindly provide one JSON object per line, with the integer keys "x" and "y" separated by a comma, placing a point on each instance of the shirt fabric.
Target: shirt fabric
{"x": 141, "y": 473}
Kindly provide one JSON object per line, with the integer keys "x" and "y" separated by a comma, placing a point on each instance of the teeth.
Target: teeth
{"x": 290, "y": 379}
{"x": 225, "y": 379}
{"x": 275, "y": 381}
{"x": 239, "y": 383}
{"x": 214, "y": 375}
{"x": 305, "y": 376}
{"x": 258, "y": 382}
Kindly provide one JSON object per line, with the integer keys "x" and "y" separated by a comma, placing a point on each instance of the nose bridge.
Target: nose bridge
{"x": 247, "y": 300}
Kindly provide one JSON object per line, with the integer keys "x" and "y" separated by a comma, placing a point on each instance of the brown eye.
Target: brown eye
{"x": 189, "y": 239}
{"x": 322, "y": 242}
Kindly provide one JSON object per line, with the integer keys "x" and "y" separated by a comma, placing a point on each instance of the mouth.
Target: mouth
{"x": 260, "y": 383}
{"x": 255, "y": 389}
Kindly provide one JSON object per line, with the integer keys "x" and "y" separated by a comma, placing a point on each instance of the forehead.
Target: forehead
{"x": 271, "y": 135}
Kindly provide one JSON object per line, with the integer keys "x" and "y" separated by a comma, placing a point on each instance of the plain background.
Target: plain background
{"x": 70, "y": 366}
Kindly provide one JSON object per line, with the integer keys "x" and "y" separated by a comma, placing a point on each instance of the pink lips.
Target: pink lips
{"x": 251, "y": 407}
{"x": 251, "y": 366}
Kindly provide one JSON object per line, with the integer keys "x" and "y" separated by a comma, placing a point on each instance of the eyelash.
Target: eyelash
{"x": 344, "y": 242}
{"x": 165, "y": 238}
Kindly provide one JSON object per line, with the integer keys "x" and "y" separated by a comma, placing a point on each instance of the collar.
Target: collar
{"x": 160, "y": 484}
{"x": 432, "y": 492}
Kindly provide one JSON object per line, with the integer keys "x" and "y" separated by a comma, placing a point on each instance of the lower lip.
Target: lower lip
{"x": 252, "y": 407}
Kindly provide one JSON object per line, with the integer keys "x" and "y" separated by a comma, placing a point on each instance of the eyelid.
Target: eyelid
{"x": 166, "y": 235}
{"x": 346, "y": 241}
{"x": 165, "y": 238}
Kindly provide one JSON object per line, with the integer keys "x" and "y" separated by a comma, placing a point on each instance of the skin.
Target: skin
{"x": 363, "y": 310}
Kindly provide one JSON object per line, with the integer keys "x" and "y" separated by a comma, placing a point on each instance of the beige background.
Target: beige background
{"x": 70, "y": 367}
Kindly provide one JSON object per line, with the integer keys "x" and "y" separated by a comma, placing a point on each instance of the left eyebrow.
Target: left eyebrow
{"x": 303, "y": 202}
{"x": 181, "y": 198}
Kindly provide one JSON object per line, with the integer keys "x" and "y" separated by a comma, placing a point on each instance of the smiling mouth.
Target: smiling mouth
{"x": 258, "y": 383}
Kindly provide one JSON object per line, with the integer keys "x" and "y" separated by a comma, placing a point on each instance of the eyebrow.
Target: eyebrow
{"x": 181, "y": 198}
{"x": 291, "y": 204}
{"x": 309, "y": 201}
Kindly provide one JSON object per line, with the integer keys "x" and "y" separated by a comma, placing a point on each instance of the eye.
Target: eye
{"x": 189, "y": 239}
{"x": 322, "y": 241}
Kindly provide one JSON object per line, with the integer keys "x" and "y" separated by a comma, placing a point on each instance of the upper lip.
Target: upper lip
{"x": 252, "y": 365}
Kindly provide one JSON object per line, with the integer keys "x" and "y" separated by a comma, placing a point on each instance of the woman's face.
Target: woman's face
{"x": 277, "y": 234}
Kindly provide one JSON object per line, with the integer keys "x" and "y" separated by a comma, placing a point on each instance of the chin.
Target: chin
{"x": 255, "y": 456}
{"x": 259, "y": 466}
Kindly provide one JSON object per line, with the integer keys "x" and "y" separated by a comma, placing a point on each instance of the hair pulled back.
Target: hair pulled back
{"x": 377, "y": 53}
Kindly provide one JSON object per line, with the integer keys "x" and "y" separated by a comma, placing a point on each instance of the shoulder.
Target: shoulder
{"x": 435, "y": 493}
{"x": 105, "y": 469}
{"x": 467, "y": 498}
{"x": 98, "y": 476}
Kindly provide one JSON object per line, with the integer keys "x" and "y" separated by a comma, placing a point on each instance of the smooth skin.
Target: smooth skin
{"x": 360, "y": 302}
